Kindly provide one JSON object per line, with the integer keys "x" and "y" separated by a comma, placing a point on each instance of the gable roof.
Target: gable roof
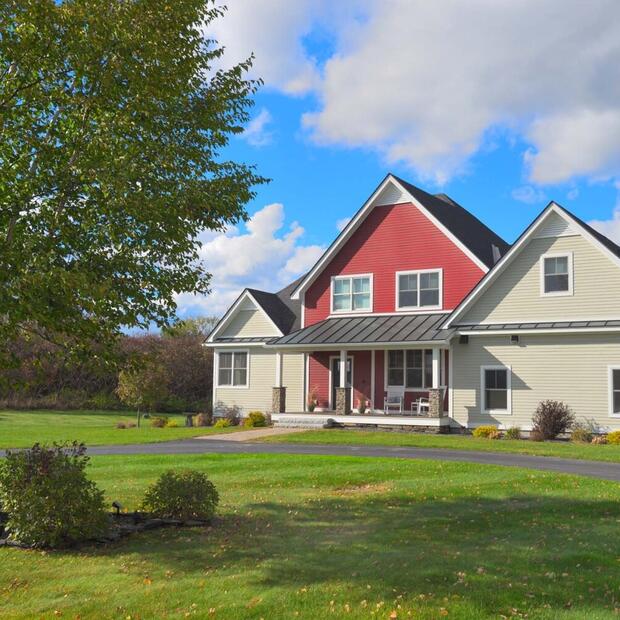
{"x": 606, "y": 245}
{"x": 464, "y": 229}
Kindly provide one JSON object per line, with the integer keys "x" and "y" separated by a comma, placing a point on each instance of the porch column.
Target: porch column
{"x": 435, "y": 406}
{"x": 278, "y": 396}
{"x": 342, "y": 402}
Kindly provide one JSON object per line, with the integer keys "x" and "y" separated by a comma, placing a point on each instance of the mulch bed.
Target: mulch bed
{"x": 121, "y": 525}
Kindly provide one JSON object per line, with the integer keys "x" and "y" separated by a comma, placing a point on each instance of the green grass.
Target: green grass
{"x": 565, "y": 449}
{"x": 20, "y": 429}
{"x": 323, "y": 537}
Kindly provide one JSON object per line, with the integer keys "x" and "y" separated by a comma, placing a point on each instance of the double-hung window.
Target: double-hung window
{"x": 495, "y": 389}
{"x": 556, "y": 274}
{"x": 352, "y": 293}
{"x": 614, "y": 390}
{"x": 412, "y": 369}
{"x": 232, "y": 369}
{"x": 419, "y": 289}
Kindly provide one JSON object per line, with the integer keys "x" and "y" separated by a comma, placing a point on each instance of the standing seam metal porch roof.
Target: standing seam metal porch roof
{"x": 370, "y": 330}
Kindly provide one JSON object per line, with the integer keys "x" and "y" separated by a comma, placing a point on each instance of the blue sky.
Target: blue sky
{"x": 503, "y": 106}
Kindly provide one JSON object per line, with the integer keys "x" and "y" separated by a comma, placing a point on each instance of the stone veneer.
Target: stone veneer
{"x": 278, "y": 400}
{"x": 342, "y": 401}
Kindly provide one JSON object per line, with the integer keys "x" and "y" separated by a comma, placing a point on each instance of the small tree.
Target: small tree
{"x": 552, "y": 418}
{"x": 143, "y": 387}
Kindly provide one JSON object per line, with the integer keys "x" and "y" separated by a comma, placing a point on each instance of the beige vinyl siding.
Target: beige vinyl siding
{"x": 516, "y": 295}
{"x": 249, "y": 322}
{"x": 293, "y": 380}
{"x": 257, "y": 396}
{"x": 569, "y": 367}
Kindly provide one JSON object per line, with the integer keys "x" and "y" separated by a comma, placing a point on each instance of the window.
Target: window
{"x": 614, "y": 390}
{"x": 352, "y": 293}
{"x": 232, "y": 370}
{"x": 495, "y": 388}
{"x": 418, "y": 289}
{"x": 556, "y": 274}
{"x": 412, "y": 369}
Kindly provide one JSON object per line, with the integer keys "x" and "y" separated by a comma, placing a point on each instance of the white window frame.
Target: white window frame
{"x": 404, "y": 383}
{"x": 418, "y": 272}
{"x": 569, "y": 292}
{"x": 351, "y": 277}
{"x": 247, "y": 373}
{"x": 483, "y": 403}
{"x": 610, "y": 379}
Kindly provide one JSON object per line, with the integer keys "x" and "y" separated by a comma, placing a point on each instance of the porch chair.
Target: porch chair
{"x": 394, "y": 400}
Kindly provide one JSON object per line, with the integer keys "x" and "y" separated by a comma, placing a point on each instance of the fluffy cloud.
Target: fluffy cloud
{"x": 264, "y": 256}
{"x": 257, "y": 133}
{"x": 529, "y": 195}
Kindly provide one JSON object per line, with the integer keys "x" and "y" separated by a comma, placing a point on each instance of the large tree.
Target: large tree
{"x": 113, "y": 118}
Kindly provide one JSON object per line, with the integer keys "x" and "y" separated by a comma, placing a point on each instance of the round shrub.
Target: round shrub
{"x": 222, "y": 423}
{"x": 159, "y": 422}
{"x": 49, "y": 500}
{"x": 182, "y": 495}
{"x": 514, "y": 432}
{"x": 121, "y": 425}
{"x": 255, "y": 419}
{"x": 581, "y": 434}
{"x": 613, "y": 438}
{"x": 171, "y": 423}
{"x": 488, "y": 432}
{"x": 552, "y": 418}
{"x": 203, "y": 419}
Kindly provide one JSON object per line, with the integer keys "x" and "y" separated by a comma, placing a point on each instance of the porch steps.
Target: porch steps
{"x": 308, "y": 422}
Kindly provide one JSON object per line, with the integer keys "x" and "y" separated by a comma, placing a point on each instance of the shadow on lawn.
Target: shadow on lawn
{"x": 524, "y": 552}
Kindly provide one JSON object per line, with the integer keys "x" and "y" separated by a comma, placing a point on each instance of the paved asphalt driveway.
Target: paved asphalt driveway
{"x": 606, "y": 471}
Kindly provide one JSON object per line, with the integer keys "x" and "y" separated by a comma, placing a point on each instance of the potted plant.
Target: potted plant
{"x": 362, "y": 405}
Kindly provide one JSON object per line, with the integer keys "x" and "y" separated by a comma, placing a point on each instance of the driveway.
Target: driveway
{"x": 603, "y": 470}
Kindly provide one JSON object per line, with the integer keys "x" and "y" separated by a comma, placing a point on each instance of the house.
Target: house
{"x": 419, "y": 315}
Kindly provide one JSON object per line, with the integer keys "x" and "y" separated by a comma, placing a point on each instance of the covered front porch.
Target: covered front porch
{"x": 392, "y": 372}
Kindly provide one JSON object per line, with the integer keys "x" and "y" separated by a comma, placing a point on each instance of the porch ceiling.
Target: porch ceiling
{"x": 370, "y": 330}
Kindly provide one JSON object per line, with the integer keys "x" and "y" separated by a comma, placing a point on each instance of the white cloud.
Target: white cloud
{"x": 264, "y": 256}
{"x": 610, "y": 228}
{"x": 529, "y": 195}
{"x": 256, "y": 133}
{"x": 342, "y": 223}
{"x": 573, "y": 194}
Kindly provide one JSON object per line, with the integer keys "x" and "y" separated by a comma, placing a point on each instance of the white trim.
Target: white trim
{"x": 422, "y": 310}
{"x": 214, "y": 384}
{"x": 571, "y": 275}
{"x": 610, "y": 380}
{"x": 303, "y": 310}
{"x": 306, "y": 392}
{"x": 436, "y": 367}
{"x": 216, "y": 362}
{"x": 361, "y": 215}
{"x": 450, "y": 382}
{"x": 225, "y": 320}
{"x": 234, "y": 345}
{"x": 483, "y": 405}
{"x": 354, "y": 346}
{"x": 417, "y": 272}
{"x": 331, "y": 404}
{"x": 350, "y": 277}
{"x": 499, "y": 267}
{"x": 372, "y": 379}
{"x": 279, "y": 369}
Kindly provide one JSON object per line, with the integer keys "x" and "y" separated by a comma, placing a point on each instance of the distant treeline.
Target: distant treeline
{"x": 42, "y": 377}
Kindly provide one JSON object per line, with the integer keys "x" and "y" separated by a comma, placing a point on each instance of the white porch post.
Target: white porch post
{"x": 278, "y": 383}
{"x": 372, "y": 380}
{"x": 343, "y": 368}
{"x": 278, "y": 394}
{"x": 435, "y": 408}
{"x": 342, "y": 401}
{"x": 436, "y": 366}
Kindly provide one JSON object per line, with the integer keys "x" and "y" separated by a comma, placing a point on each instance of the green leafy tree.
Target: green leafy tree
{"x": 113, "y": 121}
{"x": 143, "y": 386}
{"x": 199, "y": 327}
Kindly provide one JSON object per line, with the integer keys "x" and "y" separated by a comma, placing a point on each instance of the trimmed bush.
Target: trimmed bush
{"x": 233, "y": 415}
{"x": 203, "y": 419}
{"x": 552, "y": 418}
{"x": 49, "y": 500}
{"x": 514, "y": 432}
{"x": 171, "y": 423}
{"x": 536, "y": 435}
{"x": 613, "y": 438}
{"x": 581, "y": 434}
{"x": 255, "y": 419}
{"x": 182, "y": 495}
{"x": 121, "y": 425}
{"x": 222, "y": 423}
{"x": 159, "y": 422}
{"x": 488, "y": 432}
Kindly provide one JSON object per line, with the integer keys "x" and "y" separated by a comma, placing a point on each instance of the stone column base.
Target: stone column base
{"x": 342, "y": 401}
{"x": 278, "y": 400}
{"x": 435, "y": 403}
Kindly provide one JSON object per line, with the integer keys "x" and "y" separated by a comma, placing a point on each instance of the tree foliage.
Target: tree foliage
{"x": 113, "y": 119}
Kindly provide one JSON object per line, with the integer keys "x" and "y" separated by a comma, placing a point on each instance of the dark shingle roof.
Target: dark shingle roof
{"x": 465, "y": 226}
{"x": 370, "y": 329}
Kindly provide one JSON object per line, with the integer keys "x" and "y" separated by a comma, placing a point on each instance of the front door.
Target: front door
{"x": 336, "y": 380}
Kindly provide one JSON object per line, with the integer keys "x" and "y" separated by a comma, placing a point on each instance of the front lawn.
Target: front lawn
{"x": 565, "y": 449}
{"x": 339, "y": 537}
{"x": 20, "y": 429}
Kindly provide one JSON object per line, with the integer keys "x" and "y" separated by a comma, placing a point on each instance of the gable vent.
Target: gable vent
{"x": 554, "y": 226}
{"x": 391, "y": 195}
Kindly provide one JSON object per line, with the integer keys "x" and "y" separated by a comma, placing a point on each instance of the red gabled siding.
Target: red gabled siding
{"x": 394, "y": 238}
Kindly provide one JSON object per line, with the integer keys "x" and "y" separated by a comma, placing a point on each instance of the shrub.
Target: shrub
{"x": 255, "y": 419}
{"x": 171, "y": 423}
{"x": 514, "y": 432}
{"x": 203, "y": 419}
{"x": 600, "y": 440}
{"x": 613, "y": 438}
{"x": 130, "y": 425}
{"x": 49, "y": 500}
{"x": 121, "y": 425}
{"x": 159, "y": 422}
{"x": 222, "y": 423}
{"x": 183, "y": 495}
{"x": 581, "y": 434}
{"x": 488, "y": 432}
{"x": 552, "y": 418}
{"x": 536, "y": 435}
{"x": 233, "y": 415}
